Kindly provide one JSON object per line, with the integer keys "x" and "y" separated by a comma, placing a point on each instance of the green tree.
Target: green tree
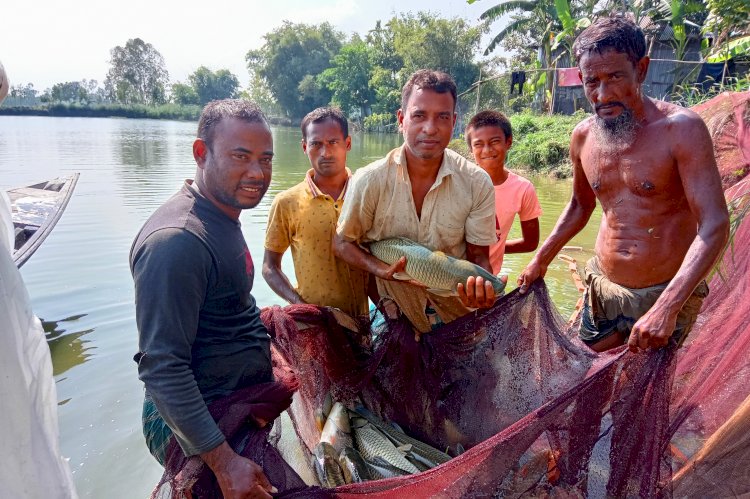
{"x": 258, "y": 92}
{"x": 82, "y": 92}
{"x": 184, "y": 94}
{"x": 349, "y": 78}
{"x": 209, "y": 85}
{"x": 425, "y": 40}
{"x": 386, "y": 65}
{"x": 137, "y": 74}
{"x": 290, "y": 61}
{"x": 728, "y": 23}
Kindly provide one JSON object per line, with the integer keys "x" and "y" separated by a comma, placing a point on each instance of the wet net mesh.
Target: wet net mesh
{"x": 538, "y": 413}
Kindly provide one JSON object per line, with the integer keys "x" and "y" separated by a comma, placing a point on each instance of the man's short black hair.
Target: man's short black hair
{"x": 616, "y": 33}
{"x": 322, "y": 114}
{"x": 215, "y": 111}
{"x": 489, "y": 118}
{"x": 428, "y": 79}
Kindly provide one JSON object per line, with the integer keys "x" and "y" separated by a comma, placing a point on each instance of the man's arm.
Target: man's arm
{"x": 573, "y": 219}
{"x": 693, "y": 153}
{"x": 171, "y": 271}
{"x": 277, "y": 280}
{"x": 529, "y": 238}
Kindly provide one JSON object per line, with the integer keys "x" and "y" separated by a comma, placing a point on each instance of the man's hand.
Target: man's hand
{"x": 238, "y": 477}
{"x": 652, "y": 330}
{"x": 477, "y": 293}
{"x": 400, "y": 266}
{"x": 533, "y": 271}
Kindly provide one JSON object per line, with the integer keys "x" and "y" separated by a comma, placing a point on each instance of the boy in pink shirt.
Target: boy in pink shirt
{"x": 489, "y": 136}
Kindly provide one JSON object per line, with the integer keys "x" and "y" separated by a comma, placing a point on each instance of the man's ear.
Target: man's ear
{"x": 509, "y": 141}
{"x": 400, "y": 119}
{"x": 200, "y": 152}
{"x": 642, "y": 68}
{"x": 349, "y": 143}
{"x": 304, "y": 146}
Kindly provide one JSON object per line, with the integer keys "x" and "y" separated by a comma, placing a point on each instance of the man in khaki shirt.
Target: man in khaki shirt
{"x": 304, "y": 218}
{"x": 425, "y": 193}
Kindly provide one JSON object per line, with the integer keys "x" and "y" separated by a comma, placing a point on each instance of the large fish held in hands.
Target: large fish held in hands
{"x": 436, "y": 270}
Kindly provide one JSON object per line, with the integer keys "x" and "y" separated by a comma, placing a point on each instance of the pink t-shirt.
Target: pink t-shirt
{"x": 514, "y": 196}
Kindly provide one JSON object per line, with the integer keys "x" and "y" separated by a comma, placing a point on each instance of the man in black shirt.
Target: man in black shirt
{"x": 200, "y": 334}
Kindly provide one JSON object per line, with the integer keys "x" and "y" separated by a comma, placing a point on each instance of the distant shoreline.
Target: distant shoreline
{"x": 136, "y": 111}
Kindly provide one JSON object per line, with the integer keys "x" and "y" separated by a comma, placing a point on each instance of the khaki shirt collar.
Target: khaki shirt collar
{"x": 317, "y": 192}
{"x": 447, "y": 166}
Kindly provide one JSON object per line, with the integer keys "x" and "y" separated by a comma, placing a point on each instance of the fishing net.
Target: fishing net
{"x": 540, "y": 414}
{"x": 728, "y": 119}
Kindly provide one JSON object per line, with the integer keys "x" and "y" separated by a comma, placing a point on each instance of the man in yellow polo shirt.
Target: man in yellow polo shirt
{"x": 304, "y": 218}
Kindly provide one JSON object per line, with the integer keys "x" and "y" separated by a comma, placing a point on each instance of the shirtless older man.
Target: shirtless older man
{"x": 651, "y": 166}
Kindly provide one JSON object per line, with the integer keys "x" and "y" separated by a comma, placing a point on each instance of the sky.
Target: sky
{"x": 50, "y": 41}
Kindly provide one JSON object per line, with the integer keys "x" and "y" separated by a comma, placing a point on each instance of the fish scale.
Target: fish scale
{"x": 434, "y": 269}
{"x": 373, "y": 444}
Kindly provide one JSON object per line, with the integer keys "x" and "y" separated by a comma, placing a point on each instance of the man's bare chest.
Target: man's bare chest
{"x": 645, "y": 172}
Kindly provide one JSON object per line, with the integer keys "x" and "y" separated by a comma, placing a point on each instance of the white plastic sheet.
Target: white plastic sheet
{"x": 31, "y": 465}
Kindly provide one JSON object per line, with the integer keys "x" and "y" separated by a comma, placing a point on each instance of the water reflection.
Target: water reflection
{"x": 67, "y": 350}
{"x": 148, "y": 156}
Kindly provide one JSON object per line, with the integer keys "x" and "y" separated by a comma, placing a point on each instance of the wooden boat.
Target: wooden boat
{"x": 36, "y": 209}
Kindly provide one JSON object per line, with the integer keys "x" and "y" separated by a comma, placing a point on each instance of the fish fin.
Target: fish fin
{"x": 445, "y": 293}
{"x": 403, "y": 449}
{"x": 402, "y": 276}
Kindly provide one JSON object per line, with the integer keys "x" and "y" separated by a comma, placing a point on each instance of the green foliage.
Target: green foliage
{"x": 184, "y": 95}
{"x": 382, "y": 122}
{"x": 424, "y": 40}
{"x": 349, "y": 78}
{"x": 541, "y": 143}
{"x": 22, "y": 95}
{"x": 209, "y": 85}
{"x": 736, "y": 48}
{"x": 307, "y": 66}
{"x": 83, "y": 92}
{"x": 162, "y": 112}
{"x": 259, "y": 93}
{"x": 137, "y": 74}
{"x": 727, "y": 19}
{"x": 690, "y": 94}
{"x": 290, "y": 61}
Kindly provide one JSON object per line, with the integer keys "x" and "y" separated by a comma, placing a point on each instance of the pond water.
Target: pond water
{"x": 80, "y": 283}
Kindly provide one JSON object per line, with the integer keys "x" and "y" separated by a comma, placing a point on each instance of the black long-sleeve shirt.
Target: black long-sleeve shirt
{"x": 200, "y": 333}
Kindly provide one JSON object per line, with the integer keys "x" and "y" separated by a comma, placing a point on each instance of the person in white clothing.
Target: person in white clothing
{"x": 31, "y": 465}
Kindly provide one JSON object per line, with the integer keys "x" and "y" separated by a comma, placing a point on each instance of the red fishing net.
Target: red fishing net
{"x": 540, "y": 414}
{"x": 728, "y": 119}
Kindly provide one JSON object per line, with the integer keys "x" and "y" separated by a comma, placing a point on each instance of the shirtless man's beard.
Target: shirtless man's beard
{"x": 617, "y": 132}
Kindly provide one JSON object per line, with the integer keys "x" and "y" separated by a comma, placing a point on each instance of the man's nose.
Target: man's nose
{"x": 604, "y": 92}
{"x": 254, "y": 171}
{"x": 430, "y": 126}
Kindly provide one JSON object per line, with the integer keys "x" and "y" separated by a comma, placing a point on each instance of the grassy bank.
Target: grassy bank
{"x": 541, "y": 143}
{"x": 162, "y": 112}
